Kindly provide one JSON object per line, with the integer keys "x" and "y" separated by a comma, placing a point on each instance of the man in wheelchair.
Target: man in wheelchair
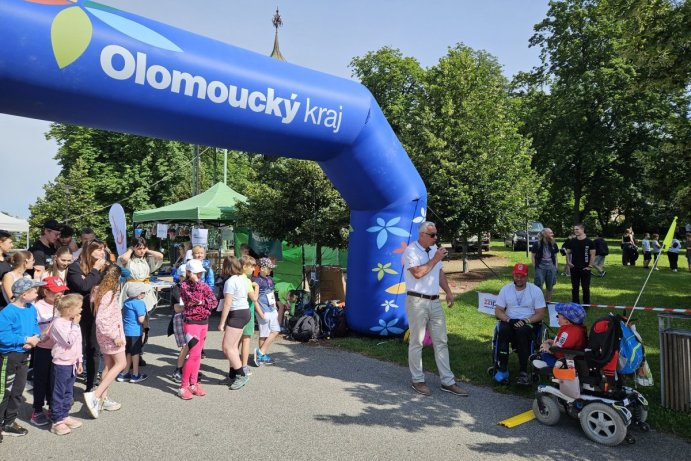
{"x": 520, "y": 308}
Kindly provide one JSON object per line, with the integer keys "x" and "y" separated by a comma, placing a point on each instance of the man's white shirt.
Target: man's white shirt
{"x": 414, "y": 256}
{"x": 520, "y": 304}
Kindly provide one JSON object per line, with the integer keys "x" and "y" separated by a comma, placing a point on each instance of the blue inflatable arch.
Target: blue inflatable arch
{"x": 87, "y": 64}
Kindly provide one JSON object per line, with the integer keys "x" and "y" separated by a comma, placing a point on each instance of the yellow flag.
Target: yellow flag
{"x": 670, "y": 235}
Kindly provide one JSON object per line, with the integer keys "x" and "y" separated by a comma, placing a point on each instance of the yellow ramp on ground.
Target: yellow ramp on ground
{"x": 518, "y": 419}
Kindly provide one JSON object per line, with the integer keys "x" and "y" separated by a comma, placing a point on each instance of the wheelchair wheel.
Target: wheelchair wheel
{"x": 550, "y": 414}
{"x": 603, "y": 424}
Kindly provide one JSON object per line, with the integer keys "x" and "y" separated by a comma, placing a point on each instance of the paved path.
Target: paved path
{"x": 314, "y": 403}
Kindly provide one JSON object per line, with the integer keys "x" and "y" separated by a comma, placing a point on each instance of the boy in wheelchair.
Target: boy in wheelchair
{"x": 572, "y": 334}
{"x": 590, "y": 389}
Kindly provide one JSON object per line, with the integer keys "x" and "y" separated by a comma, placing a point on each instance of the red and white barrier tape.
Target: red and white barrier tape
{"x": 654, "y": 309}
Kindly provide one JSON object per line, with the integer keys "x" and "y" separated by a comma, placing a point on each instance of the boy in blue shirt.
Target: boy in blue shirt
{"x": 133, "y": 322}
{"x": 269, "y": 327}
{"x": 19, "y": 333}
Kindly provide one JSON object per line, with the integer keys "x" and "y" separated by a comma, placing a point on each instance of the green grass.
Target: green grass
{"x": 470, "y": 331}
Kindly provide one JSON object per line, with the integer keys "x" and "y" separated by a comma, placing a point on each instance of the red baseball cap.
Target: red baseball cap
{"x": 55, "y": 284}
{"x": 521, "y": 269}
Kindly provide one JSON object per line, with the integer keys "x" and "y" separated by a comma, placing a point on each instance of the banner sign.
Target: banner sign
{"x": 119, "y": 226}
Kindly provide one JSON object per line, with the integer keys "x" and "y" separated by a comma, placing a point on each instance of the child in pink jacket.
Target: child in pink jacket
{"x": 67, "y": 361}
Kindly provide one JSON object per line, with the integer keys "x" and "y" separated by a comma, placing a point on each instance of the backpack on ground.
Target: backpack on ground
{"x": 630, "y": 351}
{"x": 333, "y": 321}
{"x": 306, "y": 328}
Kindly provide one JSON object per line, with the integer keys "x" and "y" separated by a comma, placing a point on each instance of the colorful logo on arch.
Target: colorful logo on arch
{"x": 72, "y": 28}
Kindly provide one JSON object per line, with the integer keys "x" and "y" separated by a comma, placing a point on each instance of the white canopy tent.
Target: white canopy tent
{"x": 10, "y": 224}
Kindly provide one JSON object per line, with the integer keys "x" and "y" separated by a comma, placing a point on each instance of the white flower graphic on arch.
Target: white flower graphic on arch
{"x": 389, "y": 304}
{"x": 383, "y": 228}
{"x": 384, "y": 328}
{"x": 422, "y": 217}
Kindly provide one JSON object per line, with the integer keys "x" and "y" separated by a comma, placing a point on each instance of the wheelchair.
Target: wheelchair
{"x": 541, "y": 331}
{"x": 589, "y": 389}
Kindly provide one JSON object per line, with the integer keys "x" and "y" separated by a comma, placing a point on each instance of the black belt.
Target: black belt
{"x": 420, "y": 295}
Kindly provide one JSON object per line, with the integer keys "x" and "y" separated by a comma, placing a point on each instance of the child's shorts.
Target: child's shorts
{"x": 133, "y": 345}
{"x": 249, "y": 328}
{"x": 268, "y": 324}
{"x": 647, "y": 256}
{"x": 178, "y": 331}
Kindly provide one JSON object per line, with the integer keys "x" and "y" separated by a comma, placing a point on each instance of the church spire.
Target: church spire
{"x": 277, "y": 22}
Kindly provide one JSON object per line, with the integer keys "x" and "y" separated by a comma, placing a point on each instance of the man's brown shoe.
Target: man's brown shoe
{"x": 422, "y": 388}
{"x": 454, "y": 389}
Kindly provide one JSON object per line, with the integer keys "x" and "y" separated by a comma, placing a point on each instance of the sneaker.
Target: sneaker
{"x": 266, "y": 360}
{"x": 38, "y": 418}
{"x": 14, "y": 430}
{"x": 176, "y": 376}
{"x": 524, "y": 379}
{"x": 91, "y": 403}
{"x": 239, "y": 382}
{"x": 197, "y": 390}
{"x": 657, "y": 268}
{"x": 138, "y": 378}
{"x": 502, "y": 377}
{"x": 454, "y": 389}
{"x": 110, "y": 405}
{"x": 72, "y": 423}
{"x": 226, "y": 381}
{"x": 60, "y": 429}
{"x": 185, "y": 394}
{"x": 247, "y": 370}
{"x": 674, "y": 270}
{"x": 256, "y": 357}
{"x": 122, "y": 378}
{"x": 421, "y": 388}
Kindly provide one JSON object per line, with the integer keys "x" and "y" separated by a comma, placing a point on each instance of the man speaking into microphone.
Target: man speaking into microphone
{"x": 423, "y": 277}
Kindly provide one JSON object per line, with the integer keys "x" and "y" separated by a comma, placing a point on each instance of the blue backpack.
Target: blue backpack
{"x": 630, "y": 351}
{"x": 333, "y": 321}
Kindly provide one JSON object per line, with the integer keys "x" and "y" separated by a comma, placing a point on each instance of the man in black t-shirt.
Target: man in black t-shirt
{"x": 580, "y": 254}
{"x": 44, "y": 248}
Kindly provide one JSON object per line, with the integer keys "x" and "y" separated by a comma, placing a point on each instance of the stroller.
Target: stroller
{"x": 590, "y": 389}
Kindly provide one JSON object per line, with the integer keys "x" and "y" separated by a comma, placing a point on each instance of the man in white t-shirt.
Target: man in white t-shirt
{"x": 423, "y": 277}
{"x": 520, "y": 308}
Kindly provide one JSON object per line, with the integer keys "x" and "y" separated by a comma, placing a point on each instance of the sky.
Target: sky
{"x": 319, "y": 34}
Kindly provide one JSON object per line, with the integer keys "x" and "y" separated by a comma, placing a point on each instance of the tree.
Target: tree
{"x": 595, "y": 109}
{"x": 294, "y": 201}
{"x": 459, "y": 126}
{"x": 476, "y": 163}
{"x": 99, "y": 168}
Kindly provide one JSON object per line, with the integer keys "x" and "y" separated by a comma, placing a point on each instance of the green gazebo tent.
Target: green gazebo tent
{"x": 216, "y": 204}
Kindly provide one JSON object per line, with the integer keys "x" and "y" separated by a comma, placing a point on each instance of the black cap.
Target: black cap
{"x": 52, "y": 225}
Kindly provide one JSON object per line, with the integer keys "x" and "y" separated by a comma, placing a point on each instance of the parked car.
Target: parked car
{"x": 517, "y": 240}
{"x": 457, "y": 243}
